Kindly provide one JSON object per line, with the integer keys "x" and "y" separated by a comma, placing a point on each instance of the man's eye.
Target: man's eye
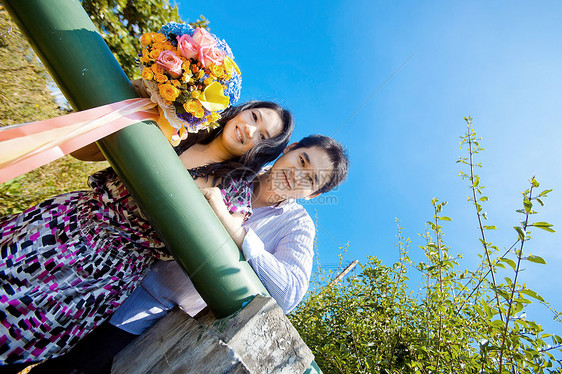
{"x": 302, "y": 161}
{"x": 311, "y": 181}
{"x": 255, "y": 117}
{"x": 262, "y": 137}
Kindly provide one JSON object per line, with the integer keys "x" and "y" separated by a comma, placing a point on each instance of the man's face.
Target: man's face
{"x": 299, "y": 173}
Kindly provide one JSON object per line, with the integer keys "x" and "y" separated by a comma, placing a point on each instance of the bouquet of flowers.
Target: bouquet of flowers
{"x": 191, "y": 75}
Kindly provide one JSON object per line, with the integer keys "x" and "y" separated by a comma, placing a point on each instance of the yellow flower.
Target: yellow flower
{"x": 229, "y": 64}
{"x": 195, "y": 94}
{"x": 208, "y": 81}
{"x": 168, "y": 46}
{"x": 146, "y": 39}
{"x": 200, "y": 74}
{"x": 157, "y": 69}
{"x": 154, "y": 54}
{"x": 192, "y": 106}
{"x": 185, "y": 66}
{"x": 186, "y": 77}
{"x": 217, "y": 70}
{"x": 199, "y": 113}
{"x": 175, "y": 82}
{"x": 168, "y": 92}
{"x": 147, "y": 74}
{"x": 215, "y": 117}
{"x": 160, "y": 78}
{"x": 213, "y": 97}
{"x": 145, "y": 57}
{"x": 159, "y": 38}
{"x": 159, "y": 46}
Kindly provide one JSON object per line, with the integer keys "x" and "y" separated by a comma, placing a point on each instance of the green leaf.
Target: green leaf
{"x": 476, "y": 181}
{"x": 536, "y": 259}
{"x": 527, "y": 204}
{"x": 534, "y": 182}
{"x": 483, "y": 198}
{"x": 508, "y": 261}
{"x": 445, "y": 218}
{"x": 503, "y": 294}
{"x": 540, "y": 201}
{"x": 486, "y": 227}
{"x": 544, "y": 192}
{"x": 497, "y": 324}
{"x": 533, "y": 294}
{"x": 543, "y": 225}
{"x": 520, "y": 232}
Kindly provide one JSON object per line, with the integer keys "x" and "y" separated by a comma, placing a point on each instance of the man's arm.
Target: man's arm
{"x": 285, "y": 272}
{"x": 285, "y": 269}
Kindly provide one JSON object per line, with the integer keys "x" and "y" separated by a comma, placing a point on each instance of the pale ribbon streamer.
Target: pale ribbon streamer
{"x": 27, "y": 146}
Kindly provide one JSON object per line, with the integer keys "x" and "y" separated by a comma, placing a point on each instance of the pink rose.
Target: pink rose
{"x": 171, "y": 62}
{"x": 203, "y": 38}
{"x": 211, "y": 55}
{"x": 188, "y": 47}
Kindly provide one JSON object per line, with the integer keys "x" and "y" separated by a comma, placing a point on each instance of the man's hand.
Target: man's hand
{"x": 231, "y": 222}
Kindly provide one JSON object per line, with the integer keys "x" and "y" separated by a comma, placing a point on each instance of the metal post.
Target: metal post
{"x": 67, "y": 42}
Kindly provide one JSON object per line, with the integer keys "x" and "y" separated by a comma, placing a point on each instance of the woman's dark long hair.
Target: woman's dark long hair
{"x": 248, "y": 165}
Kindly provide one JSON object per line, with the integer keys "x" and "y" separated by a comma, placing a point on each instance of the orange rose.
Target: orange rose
{"x": 159, "y": 46}
{"x": 217, "y": 70}
{"x": 199, "y": 113}
{"x": 159, "y": 38}
{"x": 157, "y": 69}
{"x": 145, "y": 57}
{"x": 168, "y": 92}
{"x": 154, "y": 54}
{"x": 147, "y": 74}
{"x": 146, "y": 39}
{"x": 160, "y": 78}
{"x": 192, "y": 106}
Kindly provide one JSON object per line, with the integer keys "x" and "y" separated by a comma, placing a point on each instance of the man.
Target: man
{"x": 277, "y": 241}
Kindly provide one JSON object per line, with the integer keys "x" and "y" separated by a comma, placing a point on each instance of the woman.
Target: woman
{"x": 69, "y": 262}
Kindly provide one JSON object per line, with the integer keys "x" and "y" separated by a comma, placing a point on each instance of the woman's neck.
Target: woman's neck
{"x": 204, "y": 154}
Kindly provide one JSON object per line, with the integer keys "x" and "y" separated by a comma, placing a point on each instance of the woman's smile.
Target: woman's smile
{"x": 239, "y": 135}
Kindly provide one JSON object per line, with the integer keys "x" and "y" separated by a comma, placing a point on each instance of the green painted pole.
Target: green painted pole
{"x": 67, "y": 42}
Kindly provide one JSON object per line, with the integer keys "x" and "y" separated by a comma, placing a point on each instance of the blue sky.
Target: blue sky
{"x": 393, "y": 81}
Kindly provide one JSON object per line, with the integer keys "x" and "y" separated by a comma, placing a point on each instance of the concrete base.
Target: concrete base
{"x": 257, "y": 339}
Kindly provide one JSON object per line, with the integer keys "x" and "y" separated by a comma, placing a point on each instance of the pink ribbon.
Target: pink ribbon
{"x": 28, "y": 146}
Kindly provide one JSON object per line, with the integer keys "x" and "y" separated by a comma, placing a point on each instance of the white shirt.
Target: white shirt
{"x": 279, "y": 247}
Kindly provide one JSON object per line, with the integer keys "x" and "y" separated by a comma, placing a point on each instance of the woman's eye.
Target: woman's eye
{"x": 302, "y": 161}
{"x": 255, "y": 117}
{"x": 310, "y": 181}
{"x": 262, "y": 137}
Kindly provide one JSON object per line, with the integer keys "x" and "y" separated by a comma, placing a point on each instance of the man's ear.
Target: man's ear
{"x": 290, "y": 147}
{"x": 312, "y": 196}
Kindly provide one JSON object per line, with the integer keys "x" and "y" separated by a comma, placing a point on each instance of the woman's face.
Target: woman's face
{"x": 249, "y": 128}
